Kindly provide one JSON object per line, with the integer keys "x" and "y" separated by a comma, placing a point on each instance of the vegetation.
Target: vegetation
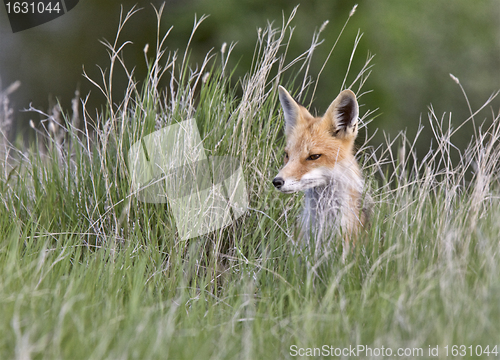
{"x": 90, "y": 272}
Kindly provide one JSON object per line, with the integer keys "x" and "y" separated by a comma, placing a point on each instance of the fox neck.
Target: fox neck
{"x": 335, "y": 204}
{"x": 324, "y": 202}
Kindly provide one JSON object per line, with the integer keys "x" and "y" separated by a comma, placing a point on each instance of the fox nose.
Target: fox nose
{"x": 278, "y": 182}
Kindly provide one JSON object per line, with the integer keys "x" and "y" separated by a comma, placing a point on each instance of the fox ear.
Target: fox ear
{"x": 343, "y": 113}
{"x": 290, "y": 109}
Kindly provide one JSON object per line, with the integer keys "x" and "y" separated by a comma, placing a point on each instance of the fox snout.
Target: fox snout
{"x": 278, "y": 182}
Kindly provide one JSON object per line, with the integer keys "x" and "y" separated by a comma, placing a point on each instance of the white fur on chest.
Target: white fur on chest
{"x": 333, "y": 206}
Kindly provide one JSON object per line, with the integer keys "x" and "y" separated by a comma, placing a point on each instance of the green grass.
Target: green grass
{"x": 89, "y": 272}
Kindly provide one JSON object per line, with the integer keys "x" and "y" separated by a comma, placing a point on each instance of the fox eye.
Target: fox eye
{"x": 314, "y": 157}
{"x": 286, "y": 156}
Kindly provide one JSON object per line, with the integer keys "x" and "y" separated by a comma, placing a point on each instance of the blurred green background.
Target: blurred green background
{"x": 417, "y": 44}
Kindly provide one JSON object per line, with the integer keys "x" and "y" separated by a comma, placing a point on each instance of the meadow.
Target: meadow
{"x": 88, "y": 271}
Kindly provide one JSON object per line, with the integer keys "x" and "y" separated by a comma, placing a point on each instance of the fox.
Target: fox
{"x": 319, "y": 160}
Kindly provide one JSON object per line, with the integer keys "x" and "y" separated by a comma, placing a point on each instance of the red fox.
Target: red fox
{"x": 319, "y": 160}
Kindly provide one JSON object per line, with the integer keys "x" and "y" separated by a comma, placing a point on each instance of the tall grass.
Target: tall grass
{"x": 90, "y": 272}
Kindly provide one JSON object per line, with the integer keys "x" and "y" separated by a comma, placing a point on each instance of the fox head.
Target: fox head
{"x": 317, "y": 147}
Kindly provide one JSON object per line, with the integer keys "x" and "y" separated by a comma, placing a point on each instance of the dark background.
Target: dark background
{"x": 416, "y": 43}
